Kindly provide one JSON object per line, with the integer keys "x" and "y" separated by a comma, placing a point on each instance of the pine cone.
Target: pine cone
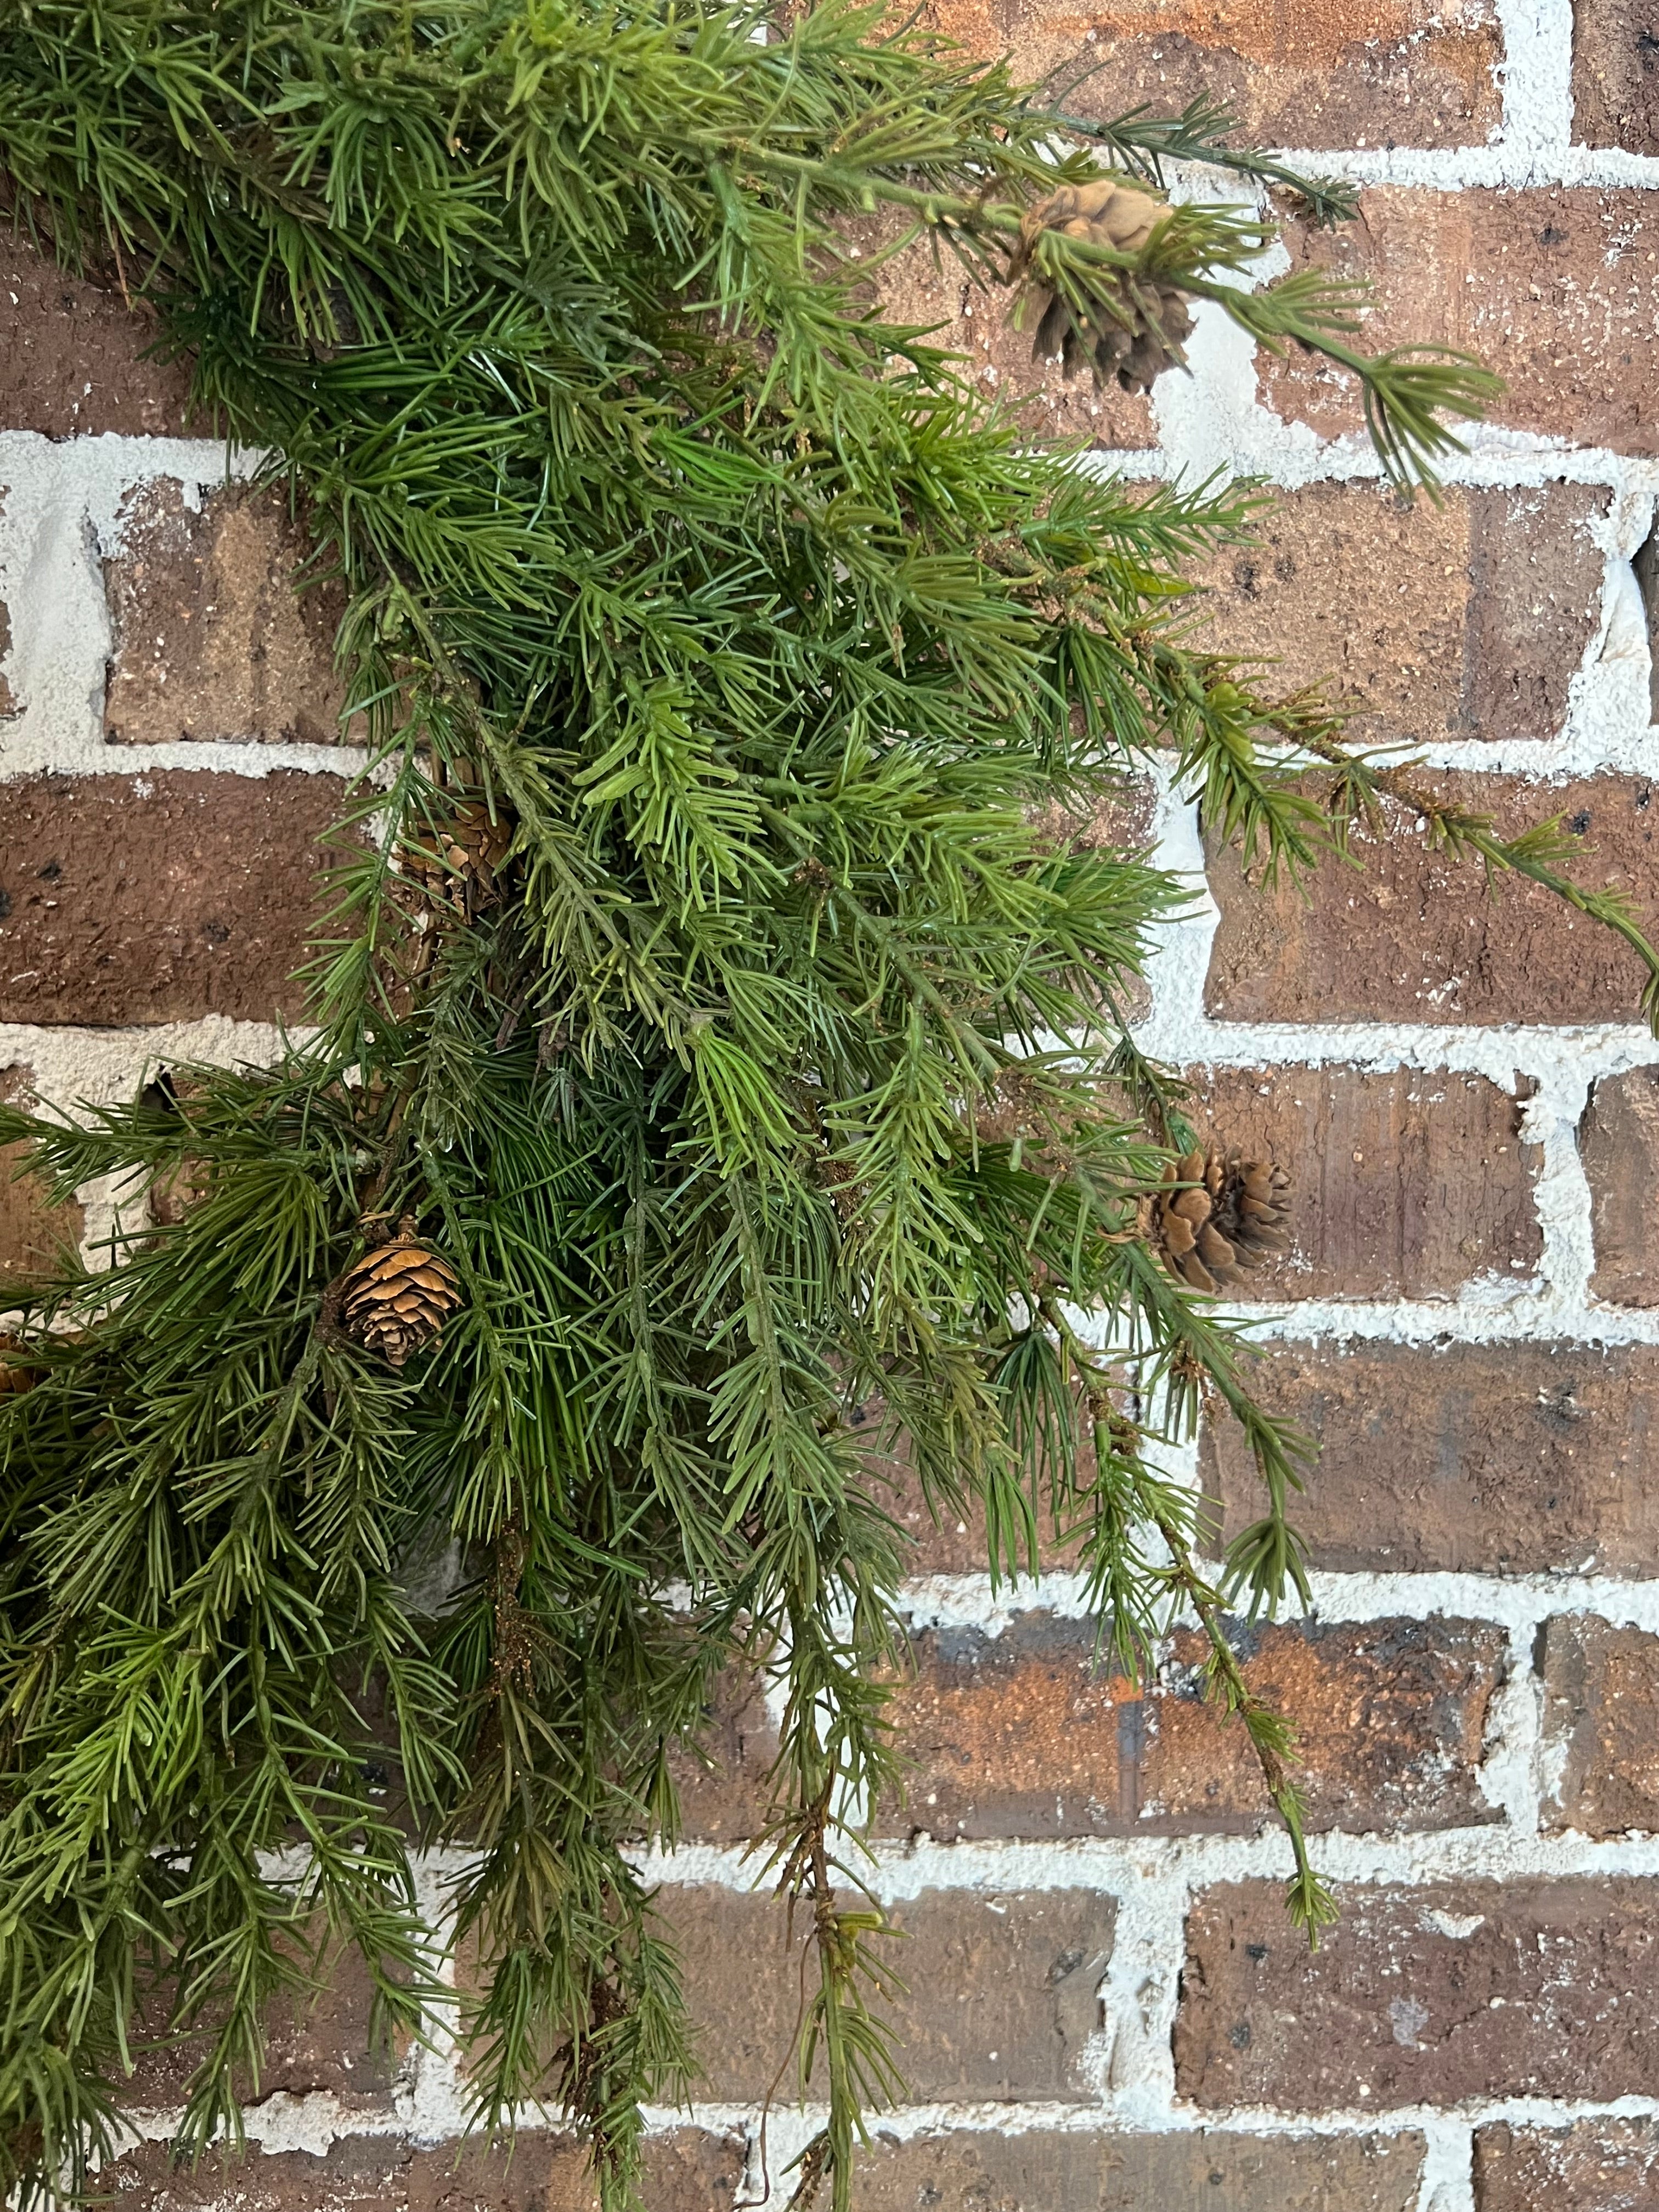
{"x": 1218, "y": 1214}
{"x": 17, "y": 1372}
{"x": 1138, "y": 330}
{"x": 473, "y": 844}
{"x": 398, "y": 1295}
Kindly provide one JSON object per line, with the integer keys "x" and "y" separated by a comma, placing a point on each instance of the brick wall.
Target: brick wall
{"x": 1107, "y": 2006}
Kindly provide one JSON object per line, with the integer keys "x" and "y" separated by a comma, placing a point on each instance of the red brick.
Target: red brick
{"x": 1048, "y": 2171}
{"x": 33, "y": 1234}
{"x": 318, "y": 2039}
{"x": 1593, "y": 2165}
{"x": 725, "y": 1802}
{"x": 1339, "y": 73}
{"x": 1413, "y": 936}
{"x": 1022, "y": 1735}
{"x": 1463, "y": 620}
{"x": 931, "y": 292}
{"x": 1619, "y": 1141}
{"x": 1556, "y": 287}
{"x": 1407, "y": 1184}
{"x": 687, "y": 2170}
{"x": 1505, "y": 1458}
{"x": 71, "y": 355}
{"x": 1002, "y": 1989}
{"x": 1421, "y": 1995}
{"x": 1600, "y": 1726}
{"x": 1615, "y": 74}
{"x": 159, "y": 897}
{"x": 213, "y": 638}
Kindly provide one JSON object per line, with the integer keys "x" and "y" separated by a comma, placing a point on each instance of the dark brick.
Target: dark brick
{"x": 33, "y": 1234}
{"x": 726, "y": 1802}
{"x": 1413, "y": 936}
{"x": 212, "y": 637}
{"x": 1407, "y": 1184}
{"x": 1619, "y": 1140}
{"x": 71, "y": 355}
{"x": 687, "y": 2170}
{"x": 1347, "y": 73}
{"x": 1615, "y": 73}
{"x": 1505, "y": 1458}
{"x": 159, "y": 897}
{"x": 1464, "y": 620}
{"x": 1600, "y": 1726}
{"x": 1002, "y": 1989}
{"x": 1021, "y": 1734}
{"x": 1554, "y": 287}
{"x": 1593, "y": 2166}
{"x": 315, "y": 2039}
{"x": 1203, "y": 2171}
{"x": 1421, "y": 1995}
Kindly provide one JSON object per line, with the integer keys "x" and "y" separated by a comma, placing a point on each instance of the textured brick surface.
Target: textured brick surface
{"x": 1504, "y": 1458}
{"x": 1600, "y": 1726}
{"x": 1407, "y": 1184}
{"x": 1465, "y": 620}
{"x": 688, "y": 2170}
{"x": 1615, "y": 73}
{"x": 71, "y": 355}
{"x": 934, "y": 294}
{"x": 1556, "y": 287}
{"x": 315, "y": 2038}
{"x": 1421, "y": 1995}
{"x": 1619, "y": 1141}
{"x": 1593, "y": 2166}
{"x": 1021, "y": 1734}
{"x": 211, "y": 638}
{"x": 32, "y": 1232}
{"x": 158, "y": 897}
{"x": 1416, "y": 937}
{"x": 1204, "y": 2171}
{"x": 1002, "y": 1989}
{"x": 1335, "y": 73}
{"x": 725, "y": 1802}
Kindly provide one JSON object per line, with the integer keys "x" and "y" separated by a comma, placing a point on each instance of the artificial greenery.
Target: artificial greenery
{"x": 768, "y": 1094}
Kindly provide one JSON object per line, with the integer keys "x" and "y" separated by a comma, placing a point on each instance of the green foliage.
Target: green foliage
{"x": 773, "y": 1103}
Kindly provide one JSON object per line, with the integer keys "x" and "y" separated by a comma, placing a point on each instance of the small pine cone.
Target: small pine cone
{"x": 17, "y": 1372}
{"x": 472, "y": 845}
{"x": 398, "y": 1295}
{"x": 1137, "y": 333}
{"x": 1216, "y": 1214}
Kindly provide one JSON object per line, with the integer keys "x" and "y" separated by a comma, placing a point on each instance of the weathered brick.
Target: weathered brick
{"x": 1421, "y": 1995}
{"x": 1021, "y": 1734}
{"x": 1600, "y": 1726}
{"x": 1504, "y": 1458}
{"x": 1048, "y": 2171}
{"x": 933, "y": 293}
{"x": 320, "y": 2038}
{"x": 1002, "y": 1989}
{"x": 1593, "y": 2165}
{"x": 1345, "y": 73}
{"x": 1615, "y": 74}
{"x": 1413, "y": 936}
{"x": 1556, "y": 287}
{"x": 687, "y": 2170}
{"x": 1463, "y": 620}
{"x": 726, "y": 1802}
{"x": 212, "y": 637}
{"x": 71, "y": 355}
{"x": 33, "y": 1233}
{"x": 1407, "y": 1184}
{"x": 159, "y": 897}
{"x": 1619, "y": 1141}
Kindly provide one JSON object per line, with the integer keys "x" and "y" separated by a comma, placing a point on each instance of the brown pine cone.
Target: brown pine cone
{"x": 17, "y": 1372}
{"x": 1218, "y": 1214}
{"x": 472, "y": 849}
{"x": 398, "y": 1296}
{"x": 1135, "y": 330}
